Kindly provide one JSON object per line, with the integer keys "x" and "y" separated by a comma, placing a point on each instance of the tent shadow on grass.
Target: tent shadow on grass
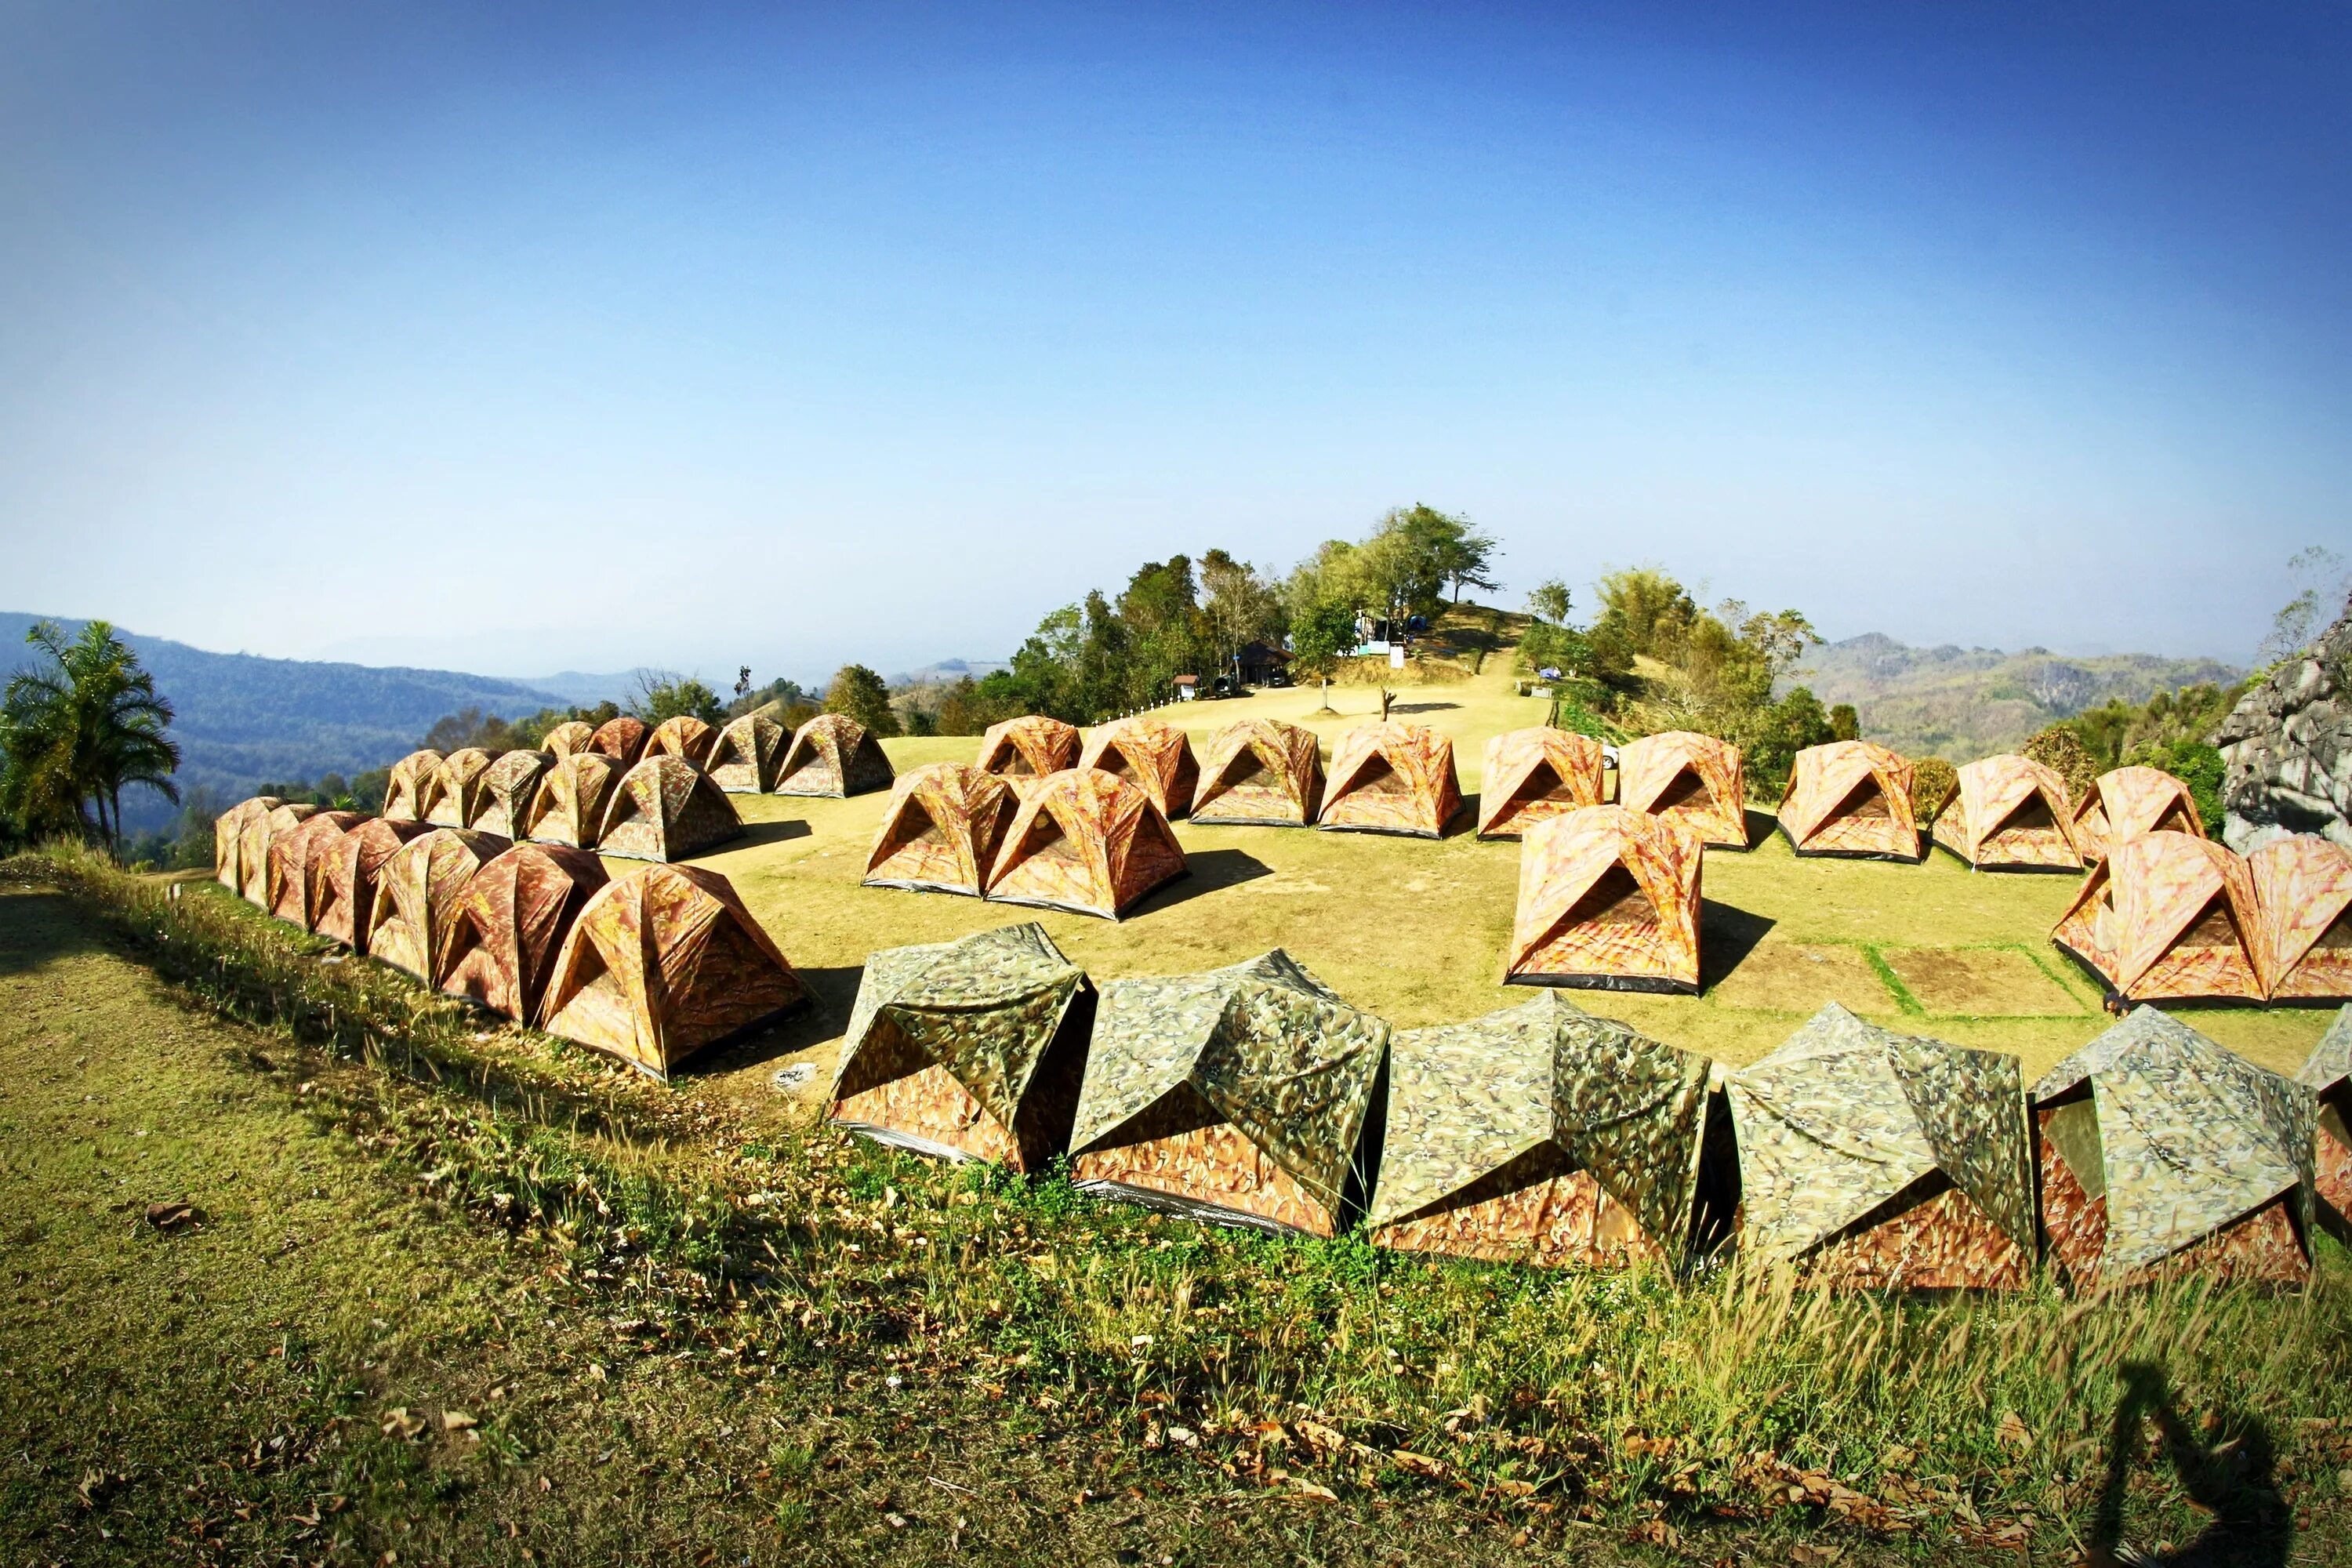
{"x": 1727, "y": 935}
{"x": 1422, "y": 707}
{"x": 1207, "y": 872}
{"x": 1465, "y": 821}
{"x": 757, "y": 834}
{"x": 1759, "y": 824}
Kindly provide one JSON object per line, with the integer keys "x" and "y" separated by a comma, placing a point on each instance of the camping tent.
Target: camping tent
{"x": 1147, "y": 752}
{"x": 1850, "y": 798}
{"x": 511, "y": 924}
{"x": 1030, "y": 747}
{"x": 663, "y": 963}
{"x": 969, "y": 1049}
{"x": 1885, "y": 1161}
{"x": 415, "y": 909}
{"x": 1609, "y": 899}
{"x": 1086, "y": 842}
{"x": 407, "y": 791}
{"x": 622, "y": 739}
{"x": 2012, "y": 813}
{"x": 1240, "y": 1095}
{"x": 258, "y": 831}
{"x": 2329, "y": 1075}
{"x": 228, "y": 840}
{"x": 941, "y": 830}
{"x": 1694, "y": 779}
{"x": 1532, "y": 774}
{"x": 663, "y": 809}
{"x": 508, "y": 790}
{"x": 2302, "y": 888}
{"x": 1261, "y": 772}
{"x": 1391, "y": 778}
{"x": 295, "y": 857}
{"x": 744, "y": 755}
{"x": 2125, "y": 803}
{"x": 344, "y": 899}
{"x": 833, "y": 754}
{"x": 453, "y": 795}
{"x": 683, "y": 736}
{"x": 2162, "y": 1151}
{"x": 1540, "y": 1134}
{"x": 570, "y": 806}
{"x": 2169, "y": 917}
{"x": 571, "y": 736}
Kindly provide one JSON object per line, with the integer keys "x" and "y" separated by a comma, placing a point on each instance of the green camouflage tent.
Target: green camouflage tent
{"x": 1239, "y": 1095}
{"x": 1885, "y": 1161}
{"x": 968, "y": 1049}
{"x": 1540, "y": 1134}
{"x": 2162, "y": 1151}
{"x": 2329, "y": 1075}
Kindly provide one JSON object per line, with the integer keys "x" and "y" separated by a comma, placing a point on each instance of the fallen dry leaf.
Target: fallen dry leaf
{"x": 399, "y": 1422}
{"x": 1308, "y": 1492}
{"x": 458, "y": 1421}
{"x": 1414, "y": 1464}
{"x": 2011, "y": 1431}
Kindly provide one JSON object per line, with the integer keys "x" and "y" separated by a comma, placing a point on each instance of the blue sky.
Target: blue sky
{"x": 522, "y": 339}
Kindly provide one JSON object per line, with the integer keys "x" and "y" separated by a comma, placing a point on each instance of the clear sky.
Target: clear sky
{"x": 519, "y": 339}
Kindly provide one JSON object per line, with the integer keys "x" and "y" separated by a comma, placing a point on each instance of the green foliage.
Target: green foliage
{"x": 865, "y": 697}
{"x": 782, "y": 692}
{"x": 2061, "y": 750}
{"x": 2199, "y": 765}
{"x": 1934, "y": 783}
{"x": 1773, "y": 736}
{"x": 1549, "y": 600}
{"x": 1845, "y": 723}
{"x": 78, "y": 729}
{"x": 469, "y": 726}
{"x": 1321, "y": 635}
{"x": 664, "y": 694}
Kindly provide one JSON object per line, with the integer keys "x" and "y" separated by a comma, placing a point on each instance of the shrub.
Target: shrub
{"x": 1934, "y": 783}
{"x": 2061, "y": 750}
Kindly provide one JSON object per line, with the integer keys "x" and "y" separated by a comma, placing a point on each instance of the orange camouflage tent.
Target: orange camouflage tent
{"x": 833, "y": 754}
{"x": 512, "y": 922}
{"x": 663, "y": 809}
{"x": 1149, "y": 752}
{"x": 1391, "y": 778}
{"x": 508, "y": 790}
{"x": 405, "y": 794}
{"x": 1260, "y": 772}
{"x": 1533, "y": 774}
{"x": 345, "y": 897}
{"x": 295, "y": 859}
{"x": 622, "y": 739}
{"x": 1693, "y": 779}
{"x": 570, "y": 806}
{"x": 2127, "y": 802}
{"x": 453, "y": 795}
{"x": 744, "y": 755}
{"x": 1029, "y": 747}
{"x": 2303, "y": 885}
{"x": 2012, "y": 815}
{"x": 1849, "y": 798}
{"x": 415, "y": 909}
{"x": 228, "y": 840}
{"x": 571, "y": 736}
{"x": 1086, "y": 842}
{"x": 665, "y": 963}
{"x": 941, "y": 830}
{"x": 1608, "y": 899}
{"x": 2169, "y": 917}
{"x": 683, "y": 736}
{"x": 258, "y": 831}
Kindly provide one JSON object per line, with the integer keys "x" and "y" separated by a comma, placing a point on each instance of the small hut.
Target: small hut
{"x": 511, "y": 924}
{"x": 941, "y": 831}
{"x": 414, "y": 914}
{"x": 508, "y": 790}
{"x": 228, "y": 840}
{"x": 345, "y": 899}
{"x": 570, "y": 806}
{"x": 1540, "y": 1134}
{"x": 1086, "y": 842}
{"x": 409, "y": 790}
{"x": 833, "y": 754}
{"x": 744, "y": 756}
{"x": 969, "y": 1049}
{"x": 1693, "y": 779}
{"x": 683, "y": 736}
{"x": 622, "y": 739}
{"x": 2125, "y": 803}
{"x": 1535, "y": 774}
{"x": 1029, "y": 748}
{"x": 1261, "y": 773}
{"x": 1391, "y": 778}
{"x": 1239, "y": 1095}
{"x": 2329, "y": 1075}
{"x": 2302, "y": 888}
{"x": 568, "y": 738}
{"x": 1853, "y": 799}
{"x": 2012, "y": 815}
{"x": 2162, "y": 1151}
{"x": 2169, "y": 917}
{"x": 1882, "y": 1161}
{"x": 295, "y": 859}
{"x": 1608, "y": 899}
{"x": 663, "y": 809}
{"x": 1153, "y": 755}
{"x": 454, "y": 794}
{"x": 663, "y": 963}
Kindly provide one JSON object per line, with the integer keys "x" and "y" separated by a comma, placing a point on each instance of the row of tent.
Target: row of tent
{"x": 652, "y": 966}
{"x": 1255, "y": 1096}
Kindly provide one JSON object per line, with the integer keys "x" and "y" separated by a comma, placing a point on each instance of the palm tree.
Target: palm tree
{"x": 77, "y": 730}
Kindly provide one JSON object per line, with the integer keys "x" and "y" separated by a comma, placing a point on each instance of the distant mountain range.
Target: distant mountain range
{"x": 1961, "y": 703}
{"x": 948, "y": 671}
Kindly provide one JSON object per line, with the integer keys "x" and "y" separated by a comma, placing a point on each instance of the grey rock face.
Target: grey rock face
{"x": 2288, "y": 747}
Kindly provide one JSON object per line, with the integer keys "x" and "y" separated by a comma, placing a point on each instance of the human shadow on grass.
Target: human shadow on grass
{"x": 1209, "y": 870}
{"x": 39, "y": 928}
{"x": 1727, "y": 935}
{"x": 2231, "y": 1479}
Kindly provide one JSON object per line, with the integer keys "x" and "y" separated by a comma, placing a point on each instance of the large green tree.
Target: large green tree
{"x": 863, "y": 696}
{"x": 77, "y": 730}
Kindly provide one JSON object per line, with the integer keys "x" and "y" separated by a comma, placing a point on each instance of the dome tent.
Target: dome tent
{"x": 1693, "y": 779}
{"x": 1535, "y": 774}
{"x": 1028, "y": 748}
{"x": 2167, "y": 917}
{"x": 415, "y": 909}
{"x": 1850, "y": 798}
{"x": 297, "y": 857}
{"x": 508, "y": 790}
{"x": 228, "y": 840}
{"x": 1391, "y": 778}
{"x": 409, "y": 790}
{"x": 1608, "y": 899}
{"x": 1239, "y": 1095}
{"x": 1086, "y": 842}
{"x": 681, "y": 735}
{"x": 663, "y": 809}
{"x": 622, "y": 739}
{"x": 565, "y": 739}
{"x": 1540, "y": 1134}
{"x": 941, "y": 831}
{"x": 2012, "y": 815}
{"x": 570, "y": 806}
{"x": 1262, "y": 773}
{"x": 345, "y": 898}
{"x": 259, "y": 831}
{"x": 1148, "y": 753}
{"x": 453, "y": 795}
{"x": 833, "y": 754}
{"x": 2125, "y": 803}
{"x": 969, "y": 1049}
{"x": 2303, "y": 889}
{"x": 510, "y": 922}
{"x": 2327, "y": 1073}
{"x": 744, "y": 756}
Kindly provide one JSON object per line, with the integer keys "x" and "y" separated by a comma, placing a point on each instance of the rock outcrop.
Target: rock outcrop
{"x": 2288, "y": 747}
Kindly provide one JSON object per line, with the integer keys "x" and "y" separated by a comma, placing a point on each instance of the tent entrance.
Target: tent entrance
{"x": 1377, "y": 778}
{"x": 1866, "y": 801}
{"x": 2176, "y": 819}
{"x": 916, "y": 825}
{"x": 1047, "y": 841}
{"x": 2215, "y": 929}
{"x": 2033, "y": 818}
{"x": 1543, "y": 783}
{"x": 1246, "y": 768}
{"x": 1615, "y": 898}
{"x": 1684, "y": 792}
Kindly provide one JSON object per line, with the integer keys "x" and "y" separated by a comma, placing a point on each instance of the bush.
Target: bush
{"x": 2061, "y": 750}
{"x": 2200, "y": 766}
{"x": 1934, "y": 783}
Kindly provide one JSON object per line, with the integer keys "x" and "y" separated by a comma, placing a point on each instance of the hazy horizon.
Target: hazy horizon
{"x": 536, "y": 340}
